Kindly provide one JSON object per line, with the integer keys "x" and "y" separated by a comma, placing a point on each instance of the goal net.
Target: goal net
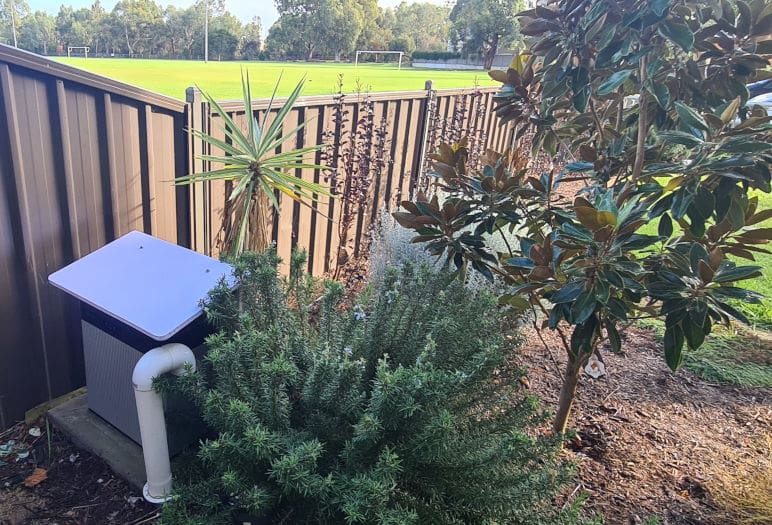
{"x": 78, "y": 51}
{"x": 400, "y": 53}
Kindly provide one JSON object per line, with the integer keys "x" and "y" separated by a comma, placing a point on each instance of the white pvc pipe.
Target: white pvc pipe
{"x": 152, "y": 428}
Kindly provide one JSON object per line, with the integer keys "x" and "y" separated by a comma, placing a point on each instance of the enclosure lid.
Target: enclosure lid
{"x": 151, "y": 285}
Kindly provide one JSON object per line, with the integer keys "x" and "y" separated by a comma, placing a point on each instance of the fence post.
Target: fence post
{"x": 199, "y": 193}
{"x": 424, "y": 128}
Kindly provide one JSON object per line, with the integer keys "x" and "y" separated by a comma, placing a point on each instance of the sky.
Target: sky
{"x": 244, "y": 9}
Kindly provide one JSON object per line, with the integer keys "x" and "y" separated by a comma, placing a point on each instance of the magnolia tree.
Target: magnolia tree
{"x": 649, "y": 98}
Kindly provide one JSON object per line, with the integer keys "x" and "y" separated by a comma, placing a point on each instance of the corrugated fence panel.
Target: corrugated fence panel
{"x": 84, "y": 159}
{"x": 407, "y": 120}
{"x": 78, "y": 166}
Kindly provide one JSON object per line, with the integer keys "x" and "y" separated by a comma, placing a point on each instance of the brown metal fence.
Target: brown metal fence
{"x": 85, "y": 159}
{"x": 414, "y": 120}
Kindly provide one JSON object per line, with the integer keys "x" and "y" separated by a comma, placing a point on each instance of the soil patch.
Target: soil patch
{"x": 78, "y": 488}
{"x": 650, "y": 443}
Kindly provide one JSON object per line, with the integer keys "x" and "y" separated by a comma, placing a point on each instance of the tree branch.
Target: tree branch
{"x": 640, "y": 148}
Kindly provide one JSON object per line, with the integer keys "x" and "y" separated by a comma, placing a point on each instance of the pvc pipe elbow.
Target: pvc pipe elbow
{"x": 171, "y": 357}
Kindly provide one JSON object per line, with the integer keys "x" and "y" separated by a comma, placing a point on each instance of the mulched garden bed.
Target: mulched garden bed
{"x": 71, "y": 487}
{"x": 649, "y": 444}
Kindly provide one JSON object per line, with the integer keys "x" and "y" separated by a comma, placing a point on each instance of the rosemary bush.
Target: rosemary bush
{"x": 399, "y": 409}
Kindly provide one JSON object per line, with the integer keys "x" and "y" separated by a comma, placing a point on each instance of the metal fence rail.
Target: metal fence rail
{"x": 85, "y": 159}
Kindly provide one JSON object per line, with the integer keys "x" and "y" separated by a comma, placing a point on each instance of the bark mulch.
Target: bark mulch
{"x": 650, "y": 443}
{"x": 73, "y": 487}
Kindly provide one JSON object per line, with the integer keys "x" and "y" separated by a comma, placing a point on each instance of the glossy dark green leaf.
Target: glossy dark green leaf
{"x": 613, "y": 82}
{"x": 613, "y": 336}
{"x": 580, "y": 166}
{"x": 580, "y": 99}
{"x": 672, "y": 305}
{"x": 658, "y": 7}
{"x": 661, "y": 94}
{"x": 602, "y": 289}
{"x": 732, "y": 292}
{"x": 567, "y": 293}
{"x": 690, "y": 117}
{"x": 665, "y": 228}
{"x": 698, "y": 311}
{"x": 617, "y": 308}
{"x": 556, "y": 314}
{"x": 678, "y": 33}
{"x": 581, "y": 79}
{"x": 694, "y": 333}
{"x": 704, "y": 202}
{"x": 523, "y": 263}
{"x": 577, "y": 232}
{"x": 680, "y": 137}
{"x": 583, "y": 307}
{"x": 736, "y": 212}
{"x": 730, "y": 310}
{"x": 736, "y": 274}
{"x": 582, "y": 336}
{"x": 637, "y": 241}
{"x": 682, "y": 199}
{"x": 697, "y": 253}
{"x": 674, "y": 342}
{"x": 745, "y": 146}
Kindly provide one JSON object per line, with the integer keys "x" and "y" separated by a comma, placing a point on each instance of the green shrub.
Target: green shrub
{"x": 435, "y": 55}
{"x": 401, "y": 409}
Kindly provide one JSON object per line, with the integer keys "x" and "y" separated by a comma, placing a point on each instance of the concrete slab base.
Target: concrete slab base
{"x": 90, "y": 432}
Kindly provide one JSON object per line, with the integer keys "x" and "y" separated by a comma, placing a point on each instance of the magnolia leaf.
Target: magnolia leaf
{"x": 680, "y": 137}
{"x": 705, "y": 272}
{"x": 661, "y": 93}
{"x": 690, "y": 117}
{"x": 606, "y": 218}
{"x": 567, "y": 293}
{"x": 729, "y": 274}
{"x": 658, "y": 7}
{"x": 498, "y": 75}
{"x": 674, "y": 342}
{"x": 613, "y": 82}
{"x": 665, "y": 228}
{"x": 730, "y": 111}
{"x": 588, "y": 217}
{"x": 695, "y": 334}
{"x": 678, "y": 33}
{"x": 613, "y": 336}
{"x": 580, "y": 99}
{"x": 583, "y": 307}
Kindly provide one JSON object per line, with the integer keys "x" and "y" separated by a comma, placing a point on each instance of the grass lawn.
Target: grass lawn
{"x": 222, "y": 79}
{"x": 758, "y": 314}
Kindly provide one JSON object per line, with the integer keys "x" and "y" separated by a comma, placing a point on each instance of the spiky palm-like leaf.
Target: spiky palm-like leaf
{"x": 250, "y": 162}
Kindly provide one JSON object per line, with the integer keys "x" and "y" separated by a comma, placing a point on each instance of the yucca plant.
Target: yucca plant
{"x": 255, "y": 171}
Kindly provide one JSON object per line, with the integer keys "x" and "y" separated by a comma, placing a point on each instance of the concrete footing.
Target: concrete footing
{"x": 92, "y": 433}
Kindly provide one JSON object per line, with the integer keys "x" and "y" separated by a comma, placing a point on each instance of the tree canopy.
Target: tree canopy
{"x": 306, "y": 29}
{"x": 482, "y": 26}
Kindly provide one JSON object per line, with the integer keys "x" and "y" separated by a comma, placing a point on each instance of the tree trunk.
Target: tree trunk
{"x": 568, "y": 392}
{"x": 490, "y": 53}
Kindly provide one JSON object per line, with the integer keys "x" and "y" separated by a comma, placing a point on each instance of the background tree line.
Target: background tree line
{"x": 305, "y": 30}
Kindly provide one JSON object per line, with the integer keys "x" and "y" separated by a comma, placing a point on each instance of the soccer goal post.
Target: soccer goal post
{"x": 400, "y": 53}
{"x": 85, "y": 50}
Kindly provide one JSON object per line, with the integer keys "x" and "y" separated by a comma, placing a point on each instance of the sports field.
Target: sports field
{"x": 222, "y": 79}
